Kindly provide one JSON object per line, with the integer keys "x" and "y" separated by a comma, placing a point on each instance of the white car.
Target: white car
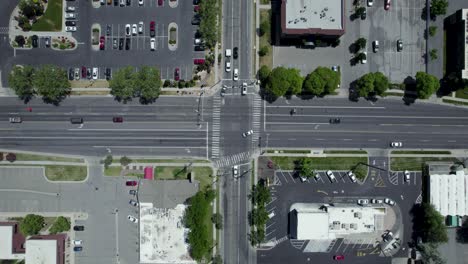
{"x": 389, "y": 202}
{"x": 370, "y": 2}
{"x": 364, "y": 60}
{"x": 396, "y": 144}
{"x": 141, "y": 2}
{"x": 235, "y": 170}
{"x": 303, "y": 179}
{"x": 122, "y": 2}
{"x": 351, "y": 176}
{"x": 133, "y": 202}
{"x": 132, "y": 219}
{"x": 248, "y": 133}
{"x": 363, "y": 201}
{"x": 70, "y": 16}
{"x": 16, "y": 119}
{"x": 407, "y": 176}
{"x": 244, "y": 89}
{"x": 376, "y": 201}
{"x": 330, "y": 175}
{"x": 140, "y": 27}
{"x": 317, "y": 177}
{"x": 70, "y": 29}
{"x": 236, "y": 74}
{"x": 95, "y": 73}
{"x": 228, "y": 66}
{"x": 77, "y": 242}
{"x": 127, "y": 30}
{"x": 228, "y": 53}
{"x": 152, "y": 44}
{"x": 134, "y": 29}
{"x": 70, "y": 9}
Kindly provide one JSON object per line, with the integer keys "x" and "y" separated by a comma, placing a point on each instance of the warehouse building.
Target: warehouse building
{"x": 449, "y": 192}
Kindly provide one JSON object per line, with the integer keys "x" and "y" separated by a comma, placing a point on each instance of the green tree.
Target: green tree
{"x": 108, "y": 161}
{"x": 125, "y": 160}
{"x": 122, "y": 84}
{"x": 360, "y": 43}
{"x": 263, "y": 73}
{"x": 31, "y": 224}
{"x": 331, "y": 78}
{"x": 264, "y": 27}
{"x": 306, "y": 168}
{"x": 260, "y": 194}
{"x": 432, "y": 30}
{"x": 208, "y": 25}
{"x": 426, "y": 85}
{"x": 51, "y": 82}
{"x": 433, "y": 54}
{"x": 430, "y": 253}
{"x": 60, "y": 225}
{"x": 438, "y": 7}
{"x": 433, "y": 225}
{"x": 21, "y": 81}
{"x": 313, "y": 84}
{"x": 263, "y": 51}
{"x": 381, "y": 83}
{"x": 148, "y": 83}
{"x": 360, "y": 56}
{"x": 365, "y": 85}
{"x": 259, "y": 216}
{"x": 217, "y": 259}
{"x": 217, "y": 220}
{"x": 282, "y": 81}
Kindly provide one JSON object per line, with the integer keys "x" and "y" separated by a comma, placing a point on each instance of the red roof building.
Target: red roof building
{"x": 149, "y": 173}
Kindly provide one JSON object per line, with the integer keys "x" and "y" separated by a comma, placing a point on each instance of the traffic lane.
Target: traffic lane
{"x": 360, "y": 139}
{"x": 107, "y": 125}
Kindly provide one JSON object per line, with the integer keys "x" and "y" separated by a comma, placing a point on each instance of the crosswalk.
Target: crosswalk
{"x": 3, "y": 30}
{"x": 216, "y": 126}
{"x": 233, "y": 160}
{"x": 256, "y": 115}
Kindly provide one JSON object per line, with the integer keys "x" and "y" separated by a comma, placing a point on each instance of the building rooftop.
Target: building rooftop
{"x": 11, "y": 241}
{"x": 312, "y": 17}
{"x": 464, "y": 72}
{"x": 449, "y": 193}
{"x": 41, "y": 251}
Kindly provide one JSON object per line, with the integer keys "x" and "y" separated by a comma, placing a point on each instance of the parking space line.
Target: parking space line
{"x": 290, "y": 175}
{"x": 341, "y": 243}
{"x": 270, "y": 233}
{"x": 268, "y": 226}
{"x": 284, "y": 176}
{"x": 347, "y": 245}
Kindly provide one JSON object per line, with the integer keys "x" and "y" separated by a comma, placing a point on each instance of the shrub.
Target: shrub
{"x": 31, "y": 224}
{"x": 20, "y": 40}
{"x": 60, "y": 225}
{"x": 263, "y": 51}
{"x": 11, "y": 157}
{"x": 167, "y": 83}
{"x": 181, "y": 84}
{"x": 1, "y": 156}
{"x": 125, "y": 160}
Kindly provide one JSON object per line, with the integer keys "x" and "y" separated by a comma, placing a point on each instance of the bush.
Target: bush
{"x": 172, "y": 42}
{"x": 20, "y": 40}
{"x": 27, "y": 27}
{"x": 264, "y": 28}
{"x": 167, "y": 83}
{"x": 125, "y": 160}
{"x": 108, "y": 161}
{"x": 31, "y": 224}
{"x": 181, "y": 84}
{"x": 11, "y": 157}
{"x": 432, "y": 30}
{"x": 1, "y": 156}
{"x": 60, "y": 225}
{"x": 263, "y": 51}
{"x": 217, "y": 219}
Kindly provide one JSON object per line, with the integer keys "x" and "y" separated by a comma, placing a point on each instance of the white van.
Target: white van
{"x": 152, "y": 44}
{"x": 271, "y": 215}
{"x": 228, "y": 52}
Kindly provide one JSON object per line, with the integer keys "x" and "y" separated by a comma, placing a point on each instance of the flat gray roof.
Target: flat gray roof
{"x": 323, "y": 14}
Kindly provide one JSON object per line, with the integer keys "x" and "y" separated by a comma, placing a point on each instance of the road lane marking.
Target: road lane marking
{"x": 133, "y": 129}
{"x": 28, "y": 191}
{"x": 149, "y": 147}
{"x": 377, "y": 116}
{"x": 84, "y": 137}
{"x": 318, "y": 106}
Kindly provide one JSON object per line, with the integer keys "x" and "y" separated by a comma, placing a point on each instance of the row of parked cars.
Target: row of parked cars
{"x": 70, "y": 16}
{"x": 132, "y": 202}
{"x": 364, "y": 202}
{"x": 87, "y": 73}
{"x": 331, "y": 176}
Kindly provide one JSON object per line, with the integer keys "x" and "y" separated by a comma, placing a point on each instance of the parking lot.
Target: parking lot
{"x": 402, "y": 21}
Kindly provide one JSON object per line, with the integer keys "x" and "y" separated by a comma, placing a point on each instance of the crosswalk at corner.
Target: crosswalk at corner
{"x": 256, "y": 115}
{"x": 216, "y": 126}
{"x": 4, "y": 30}
{"x": 231, "y": 160}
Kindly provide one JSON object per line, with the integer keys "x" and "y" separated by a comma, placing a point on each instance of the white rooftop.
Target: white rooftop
{"x": 6, "y": 244}
{"x": 41, "y": 251}
{"x": 162, "y": 235}
{"x": 448, "y": 193}
{"x": 335, "y": 221}
{"x": 304, "y": 14}
{"x": 464, "y": 72}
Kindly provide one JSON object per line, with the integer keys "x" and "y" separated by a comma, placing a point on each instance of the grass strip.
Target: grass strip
{"x": 345, "y": 152}
{"x": 414, "y": 163}
{"x": 265, "y": 40}
{"x": 34, "y": 157}
{"x": 65, "y": 173}
{"x": 454, "y": 102}
{"x": 113, "y": 171}
{"x": 292, "y": 151}
{"x": 168, "y": 161}
{"x": 462, "y": 93}
{"x": 202, "y": 174}
{"x": 52, "y": 18}
{"x": 435, "y": 152}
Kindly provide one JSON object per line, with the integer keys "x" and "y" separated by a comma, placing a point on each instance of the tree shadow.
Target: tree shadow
{"x": 54, "y": 101}
{"x": 417, "y": 214}
{"x": 353, "y": 94}
{"x": 410, "y": 95}
{"x": 462, "y": 232}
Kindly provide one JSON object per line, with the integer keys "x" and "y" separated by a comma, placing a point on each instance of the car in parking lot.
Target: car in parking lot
{"x": 78, "y": 228}
{"x": 140, "y": 27}
{"x": 196, "y": 20}
{"x": 70, "y": 9}
{"x": 235, "y": 53}
{"x": 141, "y": 2}
{"x": 77, "y": 249}
{"x": 152, "y": 26}
{"x": 375, "y": 45}
{"x": 387, "y": 4}
{"x": 77, "y": 242}
{"x": 317, "y": 177}
{"x": 338, "y": 257}
{"x": 95, "y": 73}
{"x": 236, "y": 74}
{"x": 396, "y": 144}
{"x": 70, "y": 16}
{"x": 364, "y": 57}
{"x": 199, "y": 48}
{"x": 132, "y": 219}
{"x": 77, "y": 74}
{"x": 122, "y": 2}
{"x": 102, "y": 42}
{"x": 364, "y": 13}
{"x": 15, "y": 119}
{"x": 196, "y": 2}
{"x": 108, "y": 30}
{"x": 117, "y": 119}
{"x": 399, "y": 45}
{"x": 376, "y": 201}
{"x": 331, "y": 176}
{"x": 176, "y": 74}
{"x": 387, "y": 235}
{"x": 351, "y": 176}
{"x": 76, "y": 120}
{"x": 132, "y": 192}
{"x": 131, "y": 183}
{"x": 128, "y": 30}
{"x": 334, "y": 120}
{"x": 228, "y": 66}
{"x": 83, "y": 72}
{"x": 70, "y": 29}
{"x": 127, "y": 43}
{"x": 407, "y": 176}
{"x": 70, "y": 74}
{"x": 70, "y": 23}
{"x": 134, "y": 29}
{"x": 363, "y": 201}
{"x": 389, "y": 202}
{"x": 121, "y": 43}
{"x": 247, "y": 133}
{"x": 108, "y": 73}
{"x": 370, "y": 2}
{"x": 160, "y": 2}
{"x": 235, "y": 170}
{"x": 198, "y": 61}
{"x": 89, "y": 73}
{"x": 129, "y": 2}
{"x": 152, "y": 44}
{"x": 47, "y": 42}
{"x": 244, "y": 89}
{"x": 34, "y": 39}
{"x": 133, "y": 202}
{"x": 114, "y": 44}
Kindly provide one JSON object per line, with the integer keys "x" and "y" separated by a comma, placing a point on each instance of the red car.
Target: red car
{"x": 83, "y": 72}
{"x": 102, "y": 41}
{"x": 117, "y": 119}
{"x": 131, "y": 183}
{"x": 176, "y": 74}
{"x": 152, "y": 26}
{"x": 196, "y": 8}
{"x": 198, "y": 61}
{"x": 338, "y": 257}
{"x": 387, "y": 4}
{"x": 160, "y": 2}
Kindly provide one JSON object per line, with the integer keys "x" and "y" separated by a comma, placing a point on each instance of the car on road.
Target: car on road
{"x": 78, "y": 242}
{"x": 95, "y": 73}
{"x": 244, "y": 89}
{"x": 78, "y": 228}
{"x": 338, "y": 257}
{"x": 102, "y": 42}
{"x": 70, "y": 16}
{"x": 334, "y": 121}
{"x": 117, "y": 119}
{"x": 132, "y": 219}
{"x": 127, "y": 43}
{"x": 236, "y": 53}
{"x": 375, "y": 46}
{"x": 134, "y": 29}
{"x": 140, "y": 27}
{"x": 132, "y": 192}
{"x": 70, "y": 23}
{"x": 228, "y": 66}
{"x": 351, "y": 176}
{"x": 236, "y": 74}
{"x": 70, "y": 29}
{"x": 131, "y": 183}
{"x": 127, "y": 30}
{"x": 364, "y": 57}
{"x": 387, "y": 4}
{"x": 152, "y": 29}
{"x": 176, "y": 74}
{"x": 370, "y": 2}
{"x": 389, "y": 202}
{"x": 235, "y": 170}
{"x": 399, "y": 45}
{"x": 376, "y": 201}
{"x": 363, "y": 201}
{"x": 77, "y": 74}
{"x": 70, "y": 9}
{"x": 407, "y": 176}
{"x": 331, "y": 176}
{"x": 396, "y": 144}
{"x": 228, "y": 53}
{"x": 15, "y": 119}
{"x": 248, "y": 133}
{"x": 78, "y": 249}
{"x": 133, "y": 202}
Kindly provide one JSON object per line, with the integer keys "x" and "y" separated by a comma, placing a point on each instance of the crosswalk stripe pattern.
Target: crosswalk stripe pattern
{"x": 233, "y": 159}
{"x": 297, "y": 243}
{"x": 379, "y": 182}
{"x": 216, "y": 126}
{"x": 3, "y": 30}
{"x": 256, "y": 112}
